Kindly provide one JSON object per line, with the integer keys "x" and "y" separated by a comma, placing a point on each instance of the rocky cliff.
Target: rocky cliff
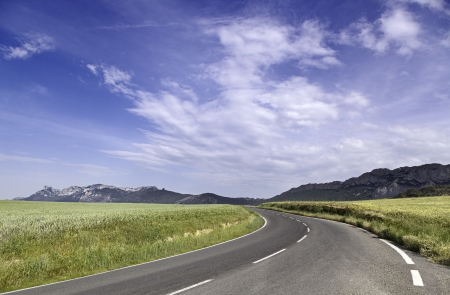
{"x": 377, "y": 184}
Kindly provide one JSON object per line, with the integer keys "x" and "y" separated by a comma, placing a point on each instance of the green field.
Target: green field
{"x": 419, "y": 224}
{"x": 43, "y": 242}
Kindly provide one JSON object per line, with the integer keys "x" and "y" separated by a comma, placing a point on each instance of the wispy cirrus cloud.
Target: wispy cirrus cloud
{"x": 138, "y": 26}
{"x": 88, "y": 169}
{"x": 30, "y": 44}
{"x": 96, "y": 170}
{"x": 23, "y": 159}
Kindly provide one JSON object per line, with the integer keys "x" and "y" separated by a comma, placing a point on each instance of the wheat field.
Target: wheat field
{"x": 43, "y": 242}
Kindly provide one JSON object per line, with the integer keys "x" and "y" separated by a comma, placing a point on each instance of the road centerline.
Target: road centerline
{"x": 304, "y": 237}
{"x": 190, "y": 287}
{"x": 267, "y": 257}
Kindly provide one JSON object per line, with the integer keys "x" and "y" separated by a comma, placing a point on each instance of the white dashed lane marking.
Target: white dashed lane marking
{"x": 190, "y": 287}
{"x": 417, "y": 279}
{"x": 271, "y": 255}
{"x": 302, "y": 239}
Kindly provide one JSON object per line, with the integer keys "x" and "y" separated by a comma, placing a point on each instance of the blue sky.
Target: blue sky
{"x": 239, "y": 98}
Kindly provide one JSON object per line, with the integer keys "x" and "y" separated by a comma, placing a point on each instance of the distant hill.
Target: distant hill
{"x": 377, "y": 184}
{"x": 145, "y": 194}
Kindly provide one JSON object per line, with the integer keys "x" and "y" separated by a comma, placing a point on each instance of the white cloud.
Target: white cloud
{"x": 181, "y": 90}
{"x": 446, "y": 41}
{"x": 443, "y": 97}
{"x": 400, "y": 28}
{"x": 350, "y": 143}
{"x": 391, "y": 147}
{"x": 252, "y": 129}
{"x": 297, "y": 103}
{"x": 92, "y": 68}
{"x": 356, "y": 99}
{"x": 114, "y": 76}
{"x": 116, "y": 80}
{"x": 396, "y": 28}
{"x": 253, "y": 44}
{"x": 419, "y": 134}
{"x": 31, "y": 44}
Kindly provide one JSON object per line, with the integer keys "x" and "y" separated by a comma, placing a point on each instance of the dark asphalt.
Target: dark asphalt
{"x": 334, "y": 258}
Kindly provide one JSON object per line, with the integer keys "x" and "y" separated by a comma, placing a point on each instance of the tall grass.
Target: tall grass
{"x": 419, "y": 224}
{"x": 42, "y": 242}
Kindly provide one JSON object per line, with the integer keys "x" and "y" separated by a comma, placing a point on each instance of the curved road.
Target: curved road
{"x": 290, "y": 255}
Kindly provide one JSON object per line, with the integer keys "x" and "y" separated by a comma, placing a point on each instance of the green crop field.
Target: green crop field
{"x": 43, "y": 242}
{"x": 419, "y": 224}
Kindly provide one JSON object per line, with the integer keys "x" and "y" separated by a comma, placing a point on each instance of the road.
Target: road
{"x": 290, "y": 255}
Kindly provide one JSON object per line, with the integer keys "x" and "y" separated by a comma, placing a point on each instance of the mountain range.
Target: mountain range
{"x": 145, "y": 194}
{"x": 377, "y": 184}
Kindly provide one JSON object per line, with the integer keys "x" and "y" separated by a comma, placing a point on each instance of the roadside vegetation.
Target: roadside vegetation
{"x": 43, "y": 242}
{"x": 419, "y": 224}
{"x": 429, "y": 191}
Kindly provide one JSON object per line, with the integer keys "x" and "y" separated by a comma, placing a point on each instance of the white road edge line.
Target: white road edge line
{"x": 302, "y": 239}
{"x": 417, "y": 279}
{"x": 176, "y": 255}
{"x": 366, "y": 231}
{"x": 190, "y": 287}
{"x": 401, "y": 252}
{"x": 267, "y": 257}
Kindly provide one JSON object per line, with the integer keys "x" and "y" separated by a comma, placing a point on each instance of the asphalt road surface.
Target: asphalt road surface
{"x": 290, "y": 255}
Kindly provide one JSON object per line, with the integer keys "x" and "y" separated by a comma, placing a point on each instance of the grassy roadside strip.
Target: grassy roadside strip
{"x": 419, "y": 224}
{"x": 46, "y": 242}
